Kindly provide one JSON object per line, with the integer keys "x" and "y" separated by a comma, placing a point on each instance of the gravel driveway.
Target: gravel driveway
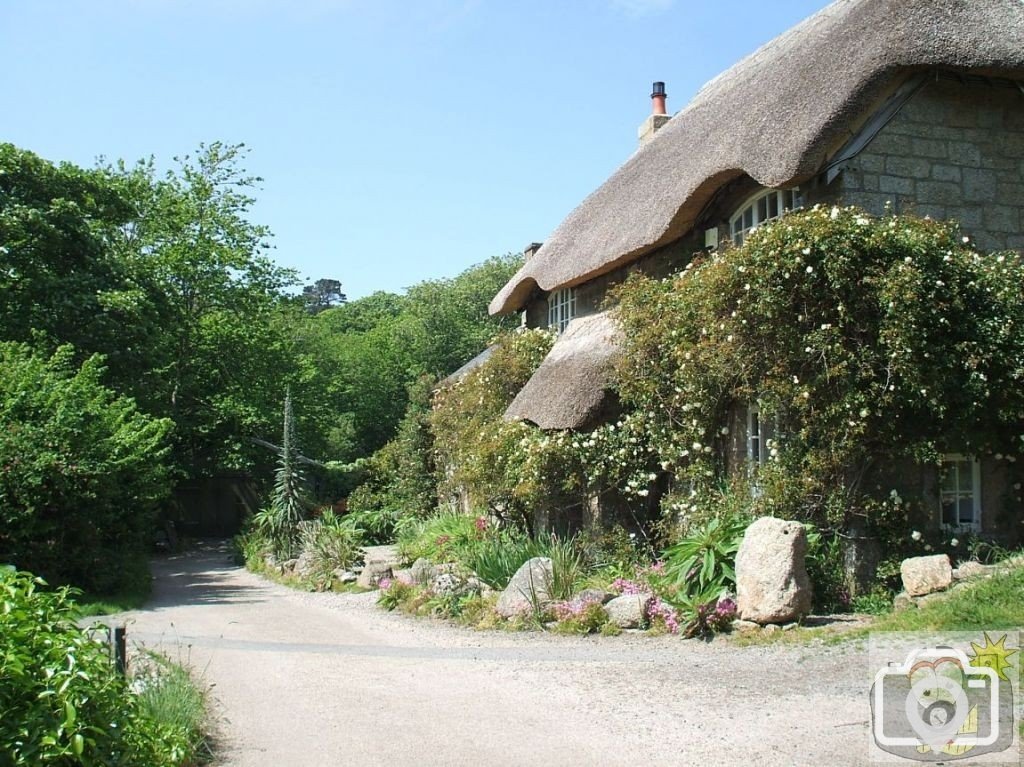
{"x": 303, "y": 680}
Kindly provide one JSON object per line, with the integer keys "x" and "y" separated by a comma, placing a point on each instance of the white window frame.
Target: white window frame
{"x": 949, "y": 462}
{"x": 751, "y": 214}
{"x": 757, "y": 450}
{"x": 561, "y": 308}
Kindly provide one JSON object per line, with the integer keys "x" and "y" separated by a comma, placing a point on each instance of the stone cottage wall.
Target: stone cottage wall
{"x": 955, "y": 151}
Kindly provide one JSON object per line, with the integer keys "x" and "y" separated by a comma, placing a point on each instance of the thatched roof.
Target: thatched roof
{"x": 774, "y": 116}
{"x": 569, "y": 387}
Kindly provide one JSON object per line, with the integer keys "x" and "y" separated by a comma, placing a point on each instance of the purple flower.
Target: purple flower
{"x": 384, "y": 584}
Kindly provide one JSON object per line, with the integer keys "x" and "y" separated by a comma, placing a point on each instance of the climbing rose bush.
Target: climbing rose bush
{"x": 864, "y": 339}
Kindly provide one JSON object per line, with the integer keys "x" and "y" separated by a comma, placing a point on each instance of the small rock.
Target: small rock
{"x": 744, "y": 626}
{"x": 372, "y": 574}
{"x": 790, "y": 626}
{"x": 423, "y": 572}
{"x": 404, "y": 576}
{"x": 772, "y": 628}
{"x": 529, "y": 588}
{"x": 304, "y": 565}
{"x": 288, "y": 566}
{"x": 345, "y": 576}
{"x": 629, "y": 611}
{"x": 594, "y": 595}
{"x": 903, "y": 601}
{"x": 970, "y": 570}
{"x": 925, "y": 575}
{"x": 448, "y": 585}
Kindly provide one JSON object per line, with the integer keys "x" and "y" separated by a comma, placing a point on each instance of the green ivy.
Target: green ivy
{"x": 867, "y": 340}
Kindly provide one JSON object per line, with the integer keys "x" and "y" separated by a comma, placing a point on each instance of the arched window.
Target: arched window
{"x": 561, "y": 308}
{"x": 763, "y": 206}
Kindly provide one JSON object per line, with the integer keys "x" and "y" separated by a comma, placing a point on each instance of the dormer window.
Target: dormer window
{"x": 764, "y": 206}
{"x": 561, "y": 308}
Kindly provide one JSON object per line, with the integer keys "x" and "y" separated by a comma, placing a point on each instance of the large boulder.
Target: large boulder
{"x": 529, "y": 589}
{"x": 771, "y": 579}
{"x": 926, "y": 575}
{"x": 629, "y": 611}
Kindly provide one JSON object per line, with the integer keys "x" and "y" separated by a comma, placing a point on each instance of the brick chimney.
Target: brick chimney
{"x": 531, "y": 250}
{"x": 658, "y": 116}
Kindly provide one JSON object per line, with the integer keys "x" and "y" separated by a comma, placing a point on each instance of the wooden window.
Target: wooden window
{"x": 763, "y": 206}
{"x": 960, "y": 492}
{"x": 561, "y": 308}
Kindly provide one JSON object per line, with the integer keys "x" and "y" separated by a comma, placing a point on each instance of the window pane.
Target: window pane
{"x": 762, "y": 209}
{"x": 748, "y": 217}
{"x": 773, "y": 205}
{"x": 949, "y": 480}
{"x": 966, "y": 510}
{"x": 948, "y": 512}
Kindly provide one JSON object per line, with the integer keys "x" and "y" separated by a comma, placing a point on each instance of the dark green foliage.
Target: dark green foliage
{"x": 867, "y": 340}
{"x": 59, "y": 282}
{"x": 702, "y": 564}
{"x": 401, "y": 477}
{"x": 61, "y": 702}
{"x": 370, "y": 352}
{"x": 81, "y": 471}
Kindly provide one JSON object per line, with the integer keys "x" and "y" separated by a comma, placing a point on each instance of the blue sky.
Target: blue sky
{"x": 399, "y": 140}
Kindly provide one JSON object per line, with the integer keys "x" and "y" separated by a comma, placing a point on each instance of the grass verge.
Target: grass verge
{"x": 170, "y": 697}
{"x": 996, "y": 602}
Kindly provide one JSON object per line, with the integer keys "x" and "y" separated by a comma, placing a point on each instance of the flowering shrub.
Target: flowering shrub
{"x": 865, "y": 339}
{"x": 579, "y": 616}
{"x": 478, "y": 453}
{"x": 658, "y": 612}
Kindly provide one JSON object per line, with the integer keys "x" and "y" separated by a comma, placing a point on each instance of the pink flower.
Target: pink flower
{"x": 624, "y": 586}
{"x": 481, "y": 524}
{"x": 384, "y": 584}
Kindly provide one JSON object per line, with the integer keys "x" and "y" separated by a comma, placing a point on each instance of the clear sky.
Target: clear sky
{"x": 399, "y": 140}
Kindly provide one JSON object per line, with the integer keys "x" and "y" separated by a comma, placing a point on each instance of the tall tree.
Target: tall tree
{"x": 323, "y": 294}
{"x": 219, "y": 358}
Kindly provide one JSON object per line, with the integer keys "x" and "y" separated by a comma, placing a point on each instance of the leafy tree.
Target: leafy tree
{"x": 370, "y": 351}
{"x": 323, "y": 294}
{"x": 59, "y": 281}
{"x": 81, "y": 469}
{"x": 218, "y": 295}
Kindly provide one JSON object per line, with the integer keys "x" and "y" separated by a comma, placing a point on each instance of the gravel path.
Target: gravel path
{"x": 303, "y": 680}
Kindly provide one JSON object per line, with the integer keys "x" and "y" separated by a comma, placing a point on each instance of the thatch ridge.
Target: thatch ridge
{"x": 774, "y": 116}
{"x": 571, "y": 385}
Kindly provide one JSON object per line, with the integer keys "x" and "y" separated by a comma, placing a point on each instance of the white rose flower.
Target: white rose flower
{"x": 916, "y": 535}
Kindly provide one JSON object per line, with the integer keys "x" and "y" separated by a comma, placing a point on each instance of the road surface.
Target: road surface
{"x": 304, "y": 680}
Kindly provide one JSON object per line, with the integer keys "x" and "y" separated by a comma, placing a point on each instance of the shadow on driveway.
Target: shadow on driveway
{"x": 201, "y": 576}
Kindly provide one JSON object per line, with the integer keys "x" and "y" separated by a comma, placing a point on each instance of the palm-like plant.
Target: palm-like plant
{"x": 280, "y": 520}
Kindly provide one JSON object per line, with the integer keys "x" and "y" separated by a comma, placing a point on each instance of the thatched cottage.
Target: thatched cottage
{"x": 913, "y": 104}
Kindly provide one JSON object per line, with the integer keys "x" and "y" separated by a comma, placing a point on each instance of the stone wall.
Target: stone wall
{"x": 955, "y": 151}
